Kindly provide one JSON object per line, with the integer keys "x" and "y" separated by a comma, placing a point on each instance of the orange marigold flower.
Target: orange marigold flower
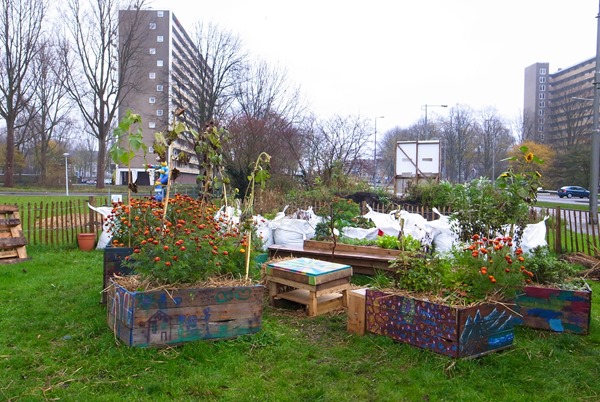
{"x": 475, "y": 237}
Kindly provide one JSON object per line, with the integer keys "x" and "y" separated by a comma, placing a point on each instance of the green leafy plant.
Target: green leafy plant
{"x": 549, "y": 269}
{"x": 191, "y": 243}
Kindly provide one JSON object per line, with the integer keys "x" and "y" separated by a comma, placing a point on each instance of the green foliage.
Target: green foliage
{"x": 419, "y": 273}
{"x": 404, "y": 243}
{"x": 129, "y": 131}
{"x": 430, "y": 193}
{"x": 189, "y": 243}
{"x": 522, "y": 179}
{"x": 480, "y": 208}
{"x": 547, "y": 268}
{"x": 338, "y": 213}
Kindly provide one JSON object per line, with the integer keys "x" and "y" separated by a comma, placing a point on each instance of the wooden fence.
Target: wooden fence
{"x": 58, "y": 223}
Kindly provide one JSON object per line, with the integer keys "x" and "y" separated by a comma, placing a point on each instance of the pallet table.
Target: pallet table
{"x": 320, "y": 285}
{"x": 12, "y": 240}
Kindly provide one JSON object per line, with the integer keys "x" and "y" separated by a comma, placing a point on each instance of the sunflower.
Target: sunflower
{"x": 529, "y": 157}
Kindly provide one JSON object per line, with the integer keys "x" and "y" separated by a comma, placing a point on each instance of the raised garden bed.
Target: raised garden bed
{"x": 157, "y": 318}
{"x": 363, "y": 259}
{"x": 449, "y": 330}
{"x": 553, "y": 309}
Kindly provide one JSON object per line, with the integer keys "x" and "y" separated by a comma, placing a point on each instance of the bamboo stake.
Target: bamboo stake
{"x": 248, "y": 249}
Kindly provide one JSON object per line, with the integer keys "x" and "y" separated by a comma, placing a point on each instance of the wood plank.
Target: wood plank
{"x": 10, "y": 222}
{"x": 5, "y": 208}
{"x": 349, "y": 248}
{"x": 325, "y": 303}
{"x": 356, "y": 311}
{"x": 12, "y": 242}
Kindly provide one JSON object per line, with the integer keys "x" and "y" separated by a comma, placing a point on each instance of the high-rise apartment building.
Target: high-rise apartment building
{"x": 557, "y": 107}
{"x": 169, "y": 74}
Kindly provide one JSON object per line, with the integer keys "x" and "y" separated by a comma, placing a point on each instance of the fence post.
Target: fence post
{"x": 557, "y": 238}
{"x": 91, "y": 214}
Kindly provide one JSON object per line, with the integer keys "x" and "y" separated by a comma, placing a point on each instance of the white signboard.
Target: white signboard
{"x": 418, "y": 159}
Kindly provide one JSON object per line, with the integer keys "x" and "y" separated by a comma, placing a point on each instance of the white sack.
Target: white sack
{"x": 263, "y": 230}
{"x": 534, "y": 235}
{"x": 416, "y": 226}
{"x": 105, "y": 237}
{"x": 291, "y": 232}
{"x": 444, "y": 238}
{"x": 387, "y": 223}
{"x": 360, "y": 233}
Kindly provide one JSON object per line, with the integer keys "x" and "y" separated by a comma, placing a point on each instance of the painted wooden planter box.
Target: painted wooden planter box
{"x": 113, "y": 259}
{"x": 452, "y": 331}
{"x": 554, "y": 309}
{"x": 157, "y": 318}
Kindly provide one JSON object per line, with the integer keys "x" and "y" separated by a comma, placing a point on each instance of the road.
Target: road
{"x": 549, "y": 197}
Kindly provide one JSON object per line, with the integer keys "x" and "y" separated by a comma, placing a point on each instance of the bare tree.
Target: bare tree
{"x": 267, "y": 113}
{"x": 222, "y": 61}
{"x": 338, "y": 142}
{"x": 458, "y": 144}
{"x": 21, "y": 29}
{"x": 101, "y": 68}
{"x": 493, "y": 141}
{"x": 49, "y": 106}
{"x": 525, "y": 127}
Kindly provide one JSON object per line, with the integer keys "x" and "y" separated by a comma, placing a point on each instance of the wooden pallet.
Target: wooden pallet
{"x": 12, "y": 240}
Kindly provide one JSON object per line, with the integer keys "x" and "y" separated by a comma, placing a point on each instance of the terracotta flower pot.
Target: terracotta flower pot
{"x": 86, "y": 241}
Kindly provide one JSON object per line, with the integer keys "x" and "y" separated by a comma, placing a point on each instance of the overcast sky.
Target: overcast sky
{"x": 391, "y": 57}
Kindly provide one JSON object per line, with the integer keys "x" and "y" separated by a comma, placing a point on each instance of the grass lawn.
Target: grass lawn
{"x": 55, "y": 345}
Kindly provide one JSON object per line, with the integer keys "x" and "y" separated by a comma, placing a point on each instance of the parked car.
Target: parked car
{"x": 573, "y": 191}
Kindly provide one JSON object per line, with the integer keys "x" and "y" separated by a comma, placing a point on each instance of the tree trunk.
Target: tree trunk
{"x": 9, "y": 168}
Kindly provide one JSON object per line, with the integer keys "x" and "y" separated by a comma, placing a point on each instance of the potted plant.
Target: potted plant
{"x": 192, "y": 277}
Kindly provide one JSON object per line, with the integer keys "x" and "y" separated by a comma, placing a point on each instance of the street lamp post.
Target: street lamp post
{"x": 66, "y": 155}
{"x": 424, "y": 107}
{"x": 595, "y": 163}
{"x": 375, "y": 150}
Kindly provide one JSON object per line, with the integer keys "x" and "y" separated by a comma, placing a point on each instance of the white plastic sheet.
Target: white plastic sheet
{"x": 105, "y": 237}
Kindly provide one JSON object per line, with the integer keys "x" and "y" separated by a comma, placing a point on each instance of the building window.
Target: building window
{"x": 541, "y": 120}
{"x": 542, "y": 103}
{"x": 542, "y": 87}
{"x": 152, "y": 99}
{"x": 159, "y": 14}
{"x": 159, "y": 112}
{"x": 542, "y": 71}
{"x": 540, "y": 128}
{"x": 542, "y": 80}
{"x": 542, "y": 96}
{"x": 540, "y": 112}
{"x": 152, "y": 50}
{"x": 152, "y": 76}
{"x": 159, "y": 63}
{"x": 152, "y": 25}
{"x": 151, "y": 124}
{"x": 159, "y": 88}
{"x": 160, "y": 38}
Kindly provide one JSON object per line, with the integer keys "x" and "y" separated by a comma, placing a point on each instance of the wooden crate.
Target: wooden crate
{"x": 113, "y": 265}
{"x": 556, "y": 310}
{"x": 356, "y": 311}
{"x": 158, "y": 318}
{"x": 449, "y": 330}
{"x": 12, "y": 240}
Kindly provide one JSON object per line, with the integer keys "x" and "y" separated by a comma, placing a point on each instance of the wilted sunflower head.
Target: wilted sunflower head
{"x": 529, "y": 157}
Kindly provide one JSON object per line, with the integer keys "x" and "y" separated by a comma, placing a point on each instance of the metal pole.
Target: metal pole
{"x": 66, "y": 155}
{"x": 375, "y": 150}
{"x": 595, "y": 163}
